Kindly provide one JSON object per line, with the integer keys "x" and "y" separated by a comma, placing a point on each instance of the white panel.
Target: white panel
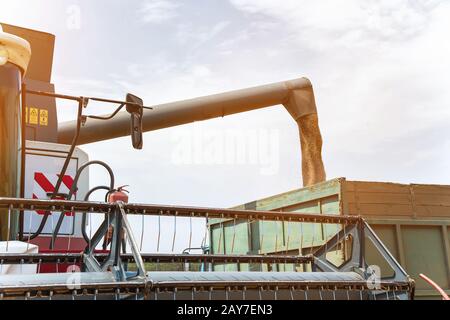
{"x": 44, "y": 162}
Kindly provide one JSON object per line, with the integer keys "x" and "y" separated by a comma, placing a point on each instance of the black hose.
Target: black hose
{"x": 74, "y": 189}
{"x": 83, "y": 219}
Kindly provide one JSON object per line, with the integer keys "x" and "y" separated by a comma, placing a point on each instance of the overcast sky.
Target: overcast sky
{"x": 380, "y": 71}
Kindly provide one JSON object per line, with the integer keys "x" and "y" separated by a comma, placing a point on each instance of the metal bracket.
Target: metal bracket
{"x": 361, "y": 233}
{"x": 322, "y": 264}
{"x": 121, "y": 228}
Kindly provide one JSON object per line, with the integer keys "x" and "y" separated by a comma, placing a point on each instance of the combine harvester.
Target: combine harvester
{"x": 47, "y": 253}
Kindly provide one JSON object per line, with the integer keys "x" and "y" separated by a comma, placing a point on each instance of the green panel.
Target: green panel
{"x": 235, "y": 267}
{"x": 244, "y": 267}
{"x": 319, "y": 191}
{"x": 272, "y": 236}
{"x": 237, "y": 233}
{"x": 301, "y": 235}
{"x": 323, "y": 197}
{"x": 305, "y": 207}
{"x": 374, "y": 258}
{"x": 282, "y": 267}
{"x": 329, "y": 230}
{"x": 424, "y": 253}
{"x": 231, "y": 267}
{"x": 214, "y": 221}
{"x": 387, "y": 235}
{"x": 216, "y": 236}
{"x": 294, "y": 230}
{"x": 330, "y": 205}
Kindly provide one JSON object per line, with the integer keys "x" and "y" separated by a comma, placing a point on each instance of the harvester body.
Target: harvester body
{"x": 52, "y": 213}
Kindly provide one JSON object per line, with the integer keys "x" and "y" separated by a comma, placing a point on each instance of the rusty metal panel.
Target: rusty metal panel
{"x": 433, "y": 211}
{"x": 381, "y": 209}
{"x": 395, "y": 200}
{"x": 431, "y": 200}
{"x": 377, "y": 199}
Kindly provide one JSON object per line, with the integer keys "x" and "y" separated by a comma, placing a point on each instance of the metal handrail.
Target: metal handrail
{"x": 156, "y": 258}
{"x": 179, "y": 211}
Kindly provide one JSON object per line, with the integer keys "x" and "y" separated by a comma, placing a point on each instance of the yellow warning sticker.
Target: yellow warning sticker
{"x": 43, "y": 118}
{"x": 34, "y": 116}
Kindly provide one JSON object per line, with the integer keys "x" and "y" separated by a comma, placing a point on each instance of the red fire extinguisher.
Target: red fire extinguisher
{"x": 119, "y": 195}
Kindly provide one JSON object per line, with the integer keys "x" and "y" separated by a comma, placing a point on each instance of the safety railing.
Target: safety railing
{"x": 332, "y": 267}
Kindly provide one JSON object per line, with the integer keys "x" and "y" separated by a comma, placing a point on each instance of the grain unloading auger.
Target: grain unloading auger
{"x": 297, "y": 96}
{"x": 119, "y": 271}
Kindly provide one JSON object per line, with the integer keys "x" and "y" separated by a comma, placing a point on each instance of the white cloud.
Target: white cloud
{"x": 196, "y": 36}
{"x": 327, "y": 23}
{"x": 379, "y": 67}
{"x": 201, "y": 71}
{"x": 158, "y": 11}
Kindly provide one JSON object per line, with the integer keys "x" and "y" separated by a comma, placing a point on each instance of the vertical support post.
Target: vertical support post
{"x": 362, "y": 244}
{"x": 447, "y": 249}
{"x": 23, "y": 149}
{"x": 319, "y": 206}
{"x": 399, "y": 238}
{"x": 250, "y": 225}
{"x": 10, "y": 86}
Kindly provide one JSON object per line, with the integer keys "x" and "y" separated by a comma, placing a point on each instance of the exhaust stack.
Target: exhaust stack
{"x": 15, "y": 55}
{"x": 296, "y": 95}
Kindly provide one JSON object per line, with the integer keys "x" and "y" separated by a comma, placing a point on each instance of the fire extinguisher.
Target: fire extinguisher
{"x": 120, "y": 194}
